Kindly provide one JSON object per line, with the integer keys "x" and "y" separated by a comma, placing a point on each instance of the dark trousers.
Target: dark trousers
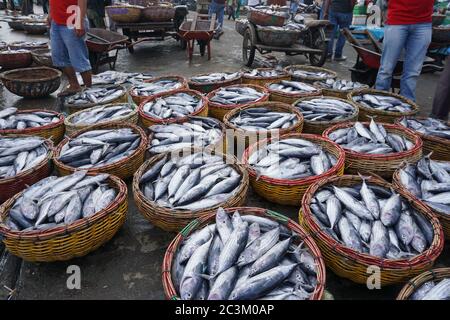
{"x": 441, "y": 103}
{"x": 45, "y": 6}
{"x": 231, "y": 13}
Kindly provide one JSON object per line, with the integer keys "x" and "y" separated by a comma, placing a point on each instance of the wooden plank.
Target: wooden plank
{"x": 194, "y": 21}
{"x": 213, "y": 22}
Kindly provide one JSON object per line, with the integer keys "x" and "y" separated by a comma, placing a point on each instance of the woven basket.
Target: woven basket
{"x": 318, "y": 127}
{"x": 352, "y": 265}
{"x": 148, "y": 121}
{"x": 35, "y": 28}
{"x": 441, "y": 35}
{"x": 16, "y": 25}
{"x": 175, "y": 220}
{"x": 415, "y": 283}
{"x": 124, "y": 13}
{"x": 16, "y": 60}
{"x": 54, "y": 131}
{"x": 263, "y": 81}
{"x": 218, "y": 111}
{"x": 342, "y": 94}
{"x": 139, "y": 99}
{"x": 171, "y": 292}
{"x": 158, "y": 13}
{"x": 382, "y": 116}
{"x": 68, "y": 241}
{"x": 443, "y": 218}
{"x": 242, "y": 139}
{"x": 380, "y": 164}
{"x": 42, "y": 57}
{"x": 262, "y": 18}
{"x": 290, "y": 192}
{"x": 240, "y": 26}
{"x": 16, "y": 45}
{"x": 438, "y": 147}
{"x": 11, "y": 186}
{"x": 309, "y": 79}
{"x": 71, "y": 128}
{"x": 290, "y": 98}
{"x": 205, "y": 87}
{"x": 123, "y": 169}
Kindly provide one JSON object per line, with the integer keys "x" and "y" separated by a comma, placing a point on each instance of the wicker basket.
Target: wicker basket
{"x": 438, "y": 147}
{"x": 148, "y": 121}
{"x": 218, "y": 111}
{"x": 35, "y": 28}
{"x": 124, "y": 13}
{"x": 383, "y": 165}
{"x": 240, "y": 26}
{"x": 11, "y": 186}
{"x": 24, "y": 45}
{"x": 123, "y": 169}
{"x": 42, "y": 57}
{"x": 290, "y": 98}
{"x": 53, "y": 131}
{"x": 207, "y": 87}
{"x": 309, "y": 79}
{"x": 441, "y": 35}
{"x": 277, "y": 38}
{"x": 352, "y": 265}
{"x": 263, "y": 81}
{"x": 68, "y": 241}
{"x": 382, "y": 116}
{"x": 243, "y": 139}
{"x": 175, "y": 220}
{"x": 262, "y": 18}
{"x": 318, "y": 127}
{"x": 342, "y": 94}
{"x": 171, "y": 292}
{"x": 16, "y": 25}
{"x": 290, "y": 192}
{"x": 158, "y": 13}
{"x": 16, "y": 60}
{"x": 415, "y": 283}
{"x": 139, "y": 99}
{"x": 71, "y": 128}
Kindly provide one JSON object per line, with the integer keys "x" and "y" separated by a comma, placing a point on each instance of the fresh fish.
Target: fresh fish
{"x": 325, "y": 109}
{"x": 293, "y": 87}
{"x": 383, "y": 102}
{"x": 154, "y": 87}
{"x": 96, "y": 95}
{"x": 236, "y": 95}
{"x": 262, "y": 118}
{"x": 215, "y": 77}
{"x": 177, "y": 105}
{"x": 114, "y": 112}
{"x": 428, "y": 127}
{"x": 340, "y": 84}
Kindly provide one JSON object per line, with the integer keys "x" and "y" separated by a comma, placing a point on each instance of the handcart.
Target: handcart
{"x": 200, "y": 29}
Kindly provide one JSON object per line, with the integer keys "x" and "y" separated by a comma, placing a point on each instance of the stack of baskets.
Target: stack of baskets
{"x": 124, "y": 13}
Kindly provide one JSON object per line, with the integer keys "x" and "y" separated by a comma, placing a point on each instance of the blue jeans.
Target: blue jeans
{"x": 294, "y": 7}
{"x": 340, "y": 21}
{"x": 219, "y": 10}
{"x": 415, "y": 39}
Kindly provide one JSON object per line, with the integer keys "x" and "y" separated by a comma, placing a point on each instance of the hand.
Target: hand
{"x": 80, "y": 32}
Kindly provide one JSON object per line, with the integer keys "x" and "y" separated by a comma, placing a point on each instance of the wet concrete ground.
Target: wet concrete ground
{"x": 129, "y": 266}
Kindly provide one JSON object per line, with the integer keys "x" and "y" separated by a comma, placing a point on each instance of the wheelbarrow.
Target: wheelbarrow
{"x": 198, "y": 30}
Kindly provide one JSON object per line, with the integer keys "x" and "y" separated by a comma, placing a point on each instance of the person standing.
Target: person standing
{"x": 45, "y": 6}
{"x": 441, "y": 102}
{"x": 68, "y": 27}
{"x": 96, "y": 13}
{"x": 217, "y": 7}
{"x": 340, "y": 13}
{"x": 253, "y": 3}
{"x": 27, "y": 7}
{"x": 231, "y": 12}
{"x": 238, "y": 9}
{"x": 408, "y": 28}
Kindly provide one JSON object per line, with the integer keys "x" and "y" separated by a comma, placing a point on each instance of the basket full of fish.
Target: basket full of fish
{"x": 223, "y": 100}
{"x": 322, "y": 112}
{"x": 310, "y": 74}
{"x": 206, "y": 83}
{"x": 15, "y": 58}
{"x": 363, "y": 222}
{"x": 267, "y": 17}
{"x": 60, "y": 218}
{"x": 114, "y": 148}
{"x": 282, "y": 169}
{"x": 149, "y": 88}
{"x": 339, "y": 88}
{"x": 386, "y": 106}
{"x": 172, "y": 189}
{"x": 379, "y": 148}
{"x": 115, "y": 112}
{"x": 24, "y": 160}
{"x": 428, "y": 181}
{"x": 430, "y": 285}
{"x": 94, "y": 96}
{"x": 290, "y": 91}
{"x": 173, "y": 107}
{"x": 434, "y": 133}
{"x": 243, "y": 254}
{"x": 263, "y": 76}
{"x": 43, "y": 123}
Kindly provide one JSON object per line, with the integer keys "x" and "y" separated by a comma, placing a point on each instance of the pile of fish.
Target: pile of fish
{"x": 325, "y": 109}
{"x": 271, "y": 10}
{"x": 96, "y": 95}
{"x": 116, "y": 77}
{"x": 57, "y": 201}
{"x": 198, "y": 132}
{"x": 383, "y": 103}
{"x": 20, "y": 154}
{"x": 13, "y": 51}
{"x": 102, "y": 114}
{"x": 429, "y": 127}
{"x": 291, "y": 26}
{"x": 216, "y": 77}
{"x": 292, "y": 87}
{"x": 177, "y": 105}
{"x": 243, "y": 258}
{"x": 433, "y": 290}
{"x": 372, "y": 219}
{"x": 341, "y": 84}
{"x": 430, "y": 181}
{"x": 262, "y": 118}
{"x": 234, "y": 95}
{"x": 97, "y": 148}
{"x": 265, "y": 73}
{"x": 322, "y": 75}
{"x": 10, "y": 119}
{"x": 192, "y": 182}
{"x": 372, "y": 140}
{"x": 156, "y": 87}
{"x": 29, "y": 45}
{"x": 291, "y": 159}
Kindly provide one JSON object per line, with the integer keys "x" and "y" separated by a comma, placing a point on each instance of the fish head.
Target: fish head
{"x": 187, "y": 289}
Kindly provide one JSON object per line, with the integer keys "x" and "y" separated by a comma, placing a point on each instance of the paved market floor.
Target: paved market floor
{"x": 129, "y": 266}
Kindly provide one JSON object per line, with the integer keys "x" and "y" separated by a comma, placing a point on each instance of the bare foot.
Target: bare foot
{"x": 69, "y": 91}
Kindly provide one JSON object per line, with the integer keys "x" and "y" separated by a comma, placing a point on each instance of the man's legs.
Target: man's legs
{"x": 238, "y": 9}
{"x": 334, "y": 22}
{"x": 441, "y": 103}
{"x": 220, "y": 14}
{"x": 419, "y": 38}
{"x": 393, "y": 44}
{"x": 344, "y": 21}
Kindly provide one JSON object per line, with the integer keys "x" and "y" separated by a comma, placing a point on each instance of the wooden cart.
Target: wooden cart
{"x": 200, "y": 29}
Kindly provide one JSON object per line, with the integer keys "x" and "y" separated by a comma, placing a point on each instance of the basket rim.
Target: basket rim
{"x": 280, "y": 76}
{"x": 126, "y": 6}
{"x": 36, "y": 129}
{"x": 233, "y": 106}
{"x": 410, "y": 287}
{"x": 318, "y": 84}
{"x": 5, "y": 76}
{"x": 294, "y": 95}
{"x": 422, "y": 135}
{"x": 180, "y": 79}
{"x": 223, "y": 82}
{"x": 81, "y": 107}
{"x": 288, "y": 69}
{"x": 294, "y": 182}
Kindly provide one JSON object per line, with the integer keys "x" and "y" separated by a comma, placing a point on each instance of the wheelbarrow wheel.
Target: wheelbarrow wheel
{"x": 318, "y": 41}
{"x": 248, "y": 48}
